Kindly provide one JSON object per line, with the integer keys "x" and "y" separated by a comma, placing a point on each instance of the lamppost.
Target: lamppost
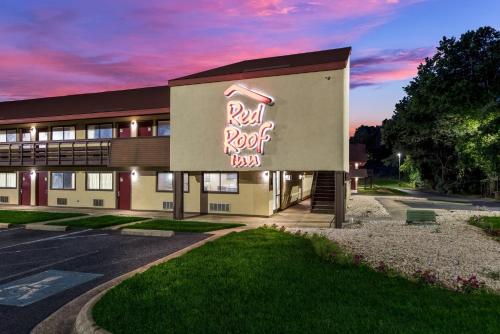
{"x": 399, "y": 168}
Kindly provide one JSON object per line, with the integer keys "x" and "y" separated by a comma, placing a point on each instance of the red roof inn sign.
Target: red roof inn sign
{"x": 246, "y": 132}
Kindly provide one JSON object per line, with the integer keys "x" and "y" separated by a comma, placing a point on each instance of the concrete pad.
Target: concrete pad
{"x": 147, "y": 233}
{"x": 5, "y": 225}
{"x": 40, "y": 227}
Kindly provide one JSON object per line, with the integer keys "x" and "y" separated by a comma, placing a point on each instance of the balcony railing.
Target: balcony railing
{"x": 56, "y": 153}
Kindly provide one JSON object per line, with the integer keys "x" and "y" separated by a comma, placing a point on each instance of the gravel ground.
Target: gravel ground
{"x": 362, "y": 207}
{"x": 449, "y": 248}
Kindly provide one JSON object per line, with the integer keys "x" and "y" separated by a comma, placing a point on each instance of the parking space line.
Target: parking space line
{"x": 28, "y": 250}
{"x": 46, "y": 266}
{"x": 85, "y": 236}
{"x": 11, "y": 229}
{"x": 44, "y": 239}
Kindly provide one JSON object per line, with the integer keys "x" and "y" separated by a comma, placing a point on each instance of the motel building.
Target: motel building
{"x": 250, "y": 138}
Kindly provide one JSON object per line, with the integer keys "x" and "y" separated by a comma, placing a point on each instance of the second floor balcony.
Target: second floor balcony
{"x": 118, "y": 152}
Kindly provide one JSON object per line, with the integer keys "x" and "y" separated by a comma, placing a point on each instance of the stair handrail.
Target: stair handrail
{"x": 313, "y": 188}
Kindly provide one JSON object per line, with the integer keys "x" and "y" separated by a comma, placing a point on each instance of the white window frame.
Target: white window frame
{"x": 65, "y": 130}
{"x": 4, "y": 180}
{"x": 206, "y": 176}
{"x": 73, "y": 181}
{"x": 100, "y": 179}
{"x": 185, "y": 179}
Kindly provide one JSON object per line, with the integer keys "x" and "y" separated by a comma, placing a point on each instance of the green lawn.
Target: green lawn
{"x": 490, "y": 224}
{"x": 384, "y": 187}
{"x": 266, "y": 281}
{"x": 26, "y": 217}
{"x": 99, "y": 221}
{"x": 183, "y": 226}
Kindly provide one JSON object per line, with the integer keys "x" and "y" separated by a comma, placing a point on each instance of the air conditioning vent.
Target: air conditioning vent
{"x": 4, "y": 199}
{"x": 220, "y": 207}
{"x": 98, "y": 202}
{"x": 62, "y": 201}
{"x": 168, "y": 206}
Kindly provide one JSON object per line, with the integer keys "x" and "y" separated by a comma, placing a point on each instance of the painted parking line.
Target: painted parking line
{"x": 28, "y": 250}
{"x": 29, "y": 290}
{"x": 11, "y": 229}
{"x": 45, "y": 266}
{"x": 44, "y": 239}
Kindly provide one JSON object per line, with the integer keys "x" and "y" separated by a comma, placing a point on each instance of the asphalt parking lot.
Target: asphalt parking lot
{"x": 41, "y": 271}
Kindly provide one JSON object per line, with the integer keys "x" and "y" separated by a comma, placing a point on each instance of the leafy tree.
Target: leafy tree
{"x": 449, "y": 120}
{"x": 371, "y": 136}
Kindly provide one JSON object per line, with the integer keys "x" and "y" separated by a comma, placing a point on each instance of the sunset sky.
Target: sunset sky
{"x": 58, "y": 47}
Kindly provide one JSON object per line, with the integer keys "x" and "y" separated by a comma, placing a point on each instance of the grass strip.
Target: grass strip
{"x": 183, "y": 226}
{"x": 27, "y": 217}
{"x": 267, "y": 281}
{"x": 490, "y": 225}
{"x": 99, "y": 221}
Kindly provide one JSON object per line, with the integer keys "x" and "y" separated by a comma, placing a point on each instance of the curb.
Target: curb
{"x": 39, "y": 227}
{"x": 147, "y": 233}
{"x": 4, "y": 225}
{"x": 63, "y": 320}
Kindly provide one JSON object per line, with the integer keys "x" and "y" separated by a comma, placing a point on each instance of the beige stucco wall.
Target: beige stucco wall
{"x": 12, "y": 193}
{"x": 144, "y": 194}
{"x": 81, "y": 197}
{"x": 253, "y": 197}
{"x": 295, "y": 189}
{"x": 310, "y": 115}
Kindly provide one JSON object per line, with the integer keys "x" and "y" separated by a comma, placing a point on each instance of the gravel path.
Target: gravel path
{"x": 449, "y": 248}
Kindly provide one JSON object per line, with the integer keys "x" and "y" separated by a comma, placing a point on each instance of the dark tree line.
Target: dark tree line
{"x": 448, "y": 124}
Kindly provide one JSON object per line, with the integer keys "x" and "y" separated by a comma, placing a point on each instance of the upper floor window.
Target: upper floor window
{"x": 98, "y": 131}
{"x": 8, "y": 180}
{"x": 62, "y": 180}
{"x": 220, "y": 182}
{"x": 8, "y": 135}
{"x": 165, "y": 181}
{"x": 26, "y": 135}
{"x": 43, "y": 135}
{"x": 63, "y": 133}
{"x": 163, "y": 128}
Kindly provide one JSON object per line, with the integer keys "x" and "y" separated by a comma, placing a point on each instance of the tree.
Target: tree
{"x": 449, "y": 120}
{"x": 371, "y": 136}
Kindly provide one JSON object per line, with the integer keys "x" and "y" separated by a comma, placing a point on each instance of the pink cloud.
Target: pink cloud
{"x": 387, "y": 65}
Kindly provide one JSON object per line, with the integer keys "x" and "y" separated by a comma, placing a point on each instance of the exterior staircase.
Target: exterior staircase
{"x": 323, "y": 193}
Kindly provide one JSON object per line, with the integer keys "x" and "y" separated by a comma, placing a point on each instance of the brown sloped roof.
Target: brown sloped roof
{"x": 149, "y": 100}
{"x": 333, "y": 59}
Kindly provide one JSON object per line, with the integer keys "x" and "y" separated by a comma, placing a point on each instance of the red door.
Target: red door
{"x": 42, "y": 188}
{"x": 124, "y": 190}
{"x": 25, "y": 189}
{"x": 145, "y": 129}
{"x": 124, "y": 130}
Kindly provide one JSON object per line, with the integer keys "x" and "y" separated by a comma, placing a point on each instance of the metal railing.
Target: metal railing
{"x": 56, "y": 153}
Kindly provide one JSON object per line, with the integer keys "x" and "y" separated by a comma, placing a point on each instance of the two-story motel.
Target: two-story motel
{"x": 249, "y": 138}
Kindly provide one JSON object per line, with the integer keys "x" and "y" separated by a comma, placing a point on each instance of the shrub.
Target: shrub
{"x": 468, "y": 285}
{"x": 427, "y": 276}
{"x": 329, "y": 250}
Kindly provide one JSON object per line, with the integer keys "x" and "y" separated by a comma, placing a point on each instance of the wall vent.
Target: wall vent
{"x": 168, "y": 206}
{"x": 4, "y": 199}
{"x": 62, "y": 201}
{"x": 220, "y": 207}
{"x": 98, "y": 202}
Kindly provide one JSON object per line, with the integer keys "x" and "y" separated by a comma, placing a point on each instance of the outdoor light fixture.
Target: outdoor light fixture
{"x": 356, "y": 165}
{"x": 33, "y": 129}
{"x": 133, "y": 123}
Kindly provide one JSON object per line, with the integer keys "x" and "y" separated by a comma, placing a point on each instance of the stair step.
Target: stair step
{"x": 322, "y": 211}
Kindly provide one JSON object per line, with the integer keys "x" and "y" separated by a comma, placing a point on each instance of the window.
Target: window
{"x": 8, "y": 180}
{"x": 99, "y": 131}
{"x": 100, "y": 181}
{"x": 43, "y": 135}
{"x": 63, "y": 133}
{"x": 220, "y": 182}
{"x": 163, "y": 128}
{"x": 165, "y": 181}
{"x": 8, "y": 135}
{"x": 63, "y": 180}
{"x": 26, "y": 135}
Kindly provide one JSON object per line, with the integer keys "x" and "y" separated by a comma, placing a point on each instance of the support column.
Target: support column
{"x": 339, "y": 199}
{"x": 178, "y": 195}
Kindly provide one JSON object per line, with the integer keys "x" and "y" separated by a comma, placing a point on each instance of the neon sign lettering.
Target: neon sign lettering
{"x": 237, "y": 141}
